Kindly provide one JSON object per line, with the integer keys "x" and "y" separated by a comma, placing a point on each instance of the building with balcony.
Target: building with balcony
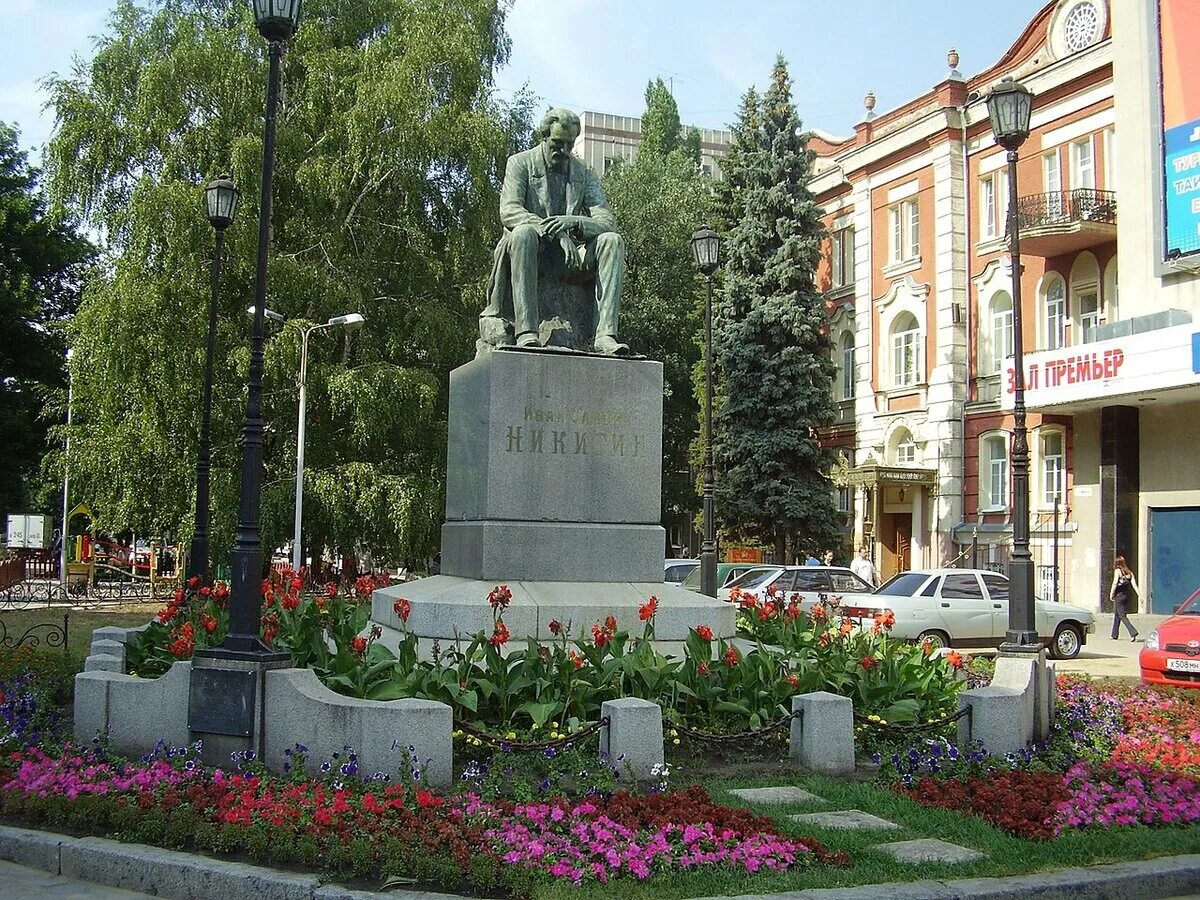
{"x": 920, "y": 294}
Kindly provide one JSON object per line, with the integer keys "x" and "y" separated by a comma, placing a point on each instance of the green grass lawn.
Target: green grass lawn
{"x": 1005, "y": 855}
{"x": 80, "y": 623}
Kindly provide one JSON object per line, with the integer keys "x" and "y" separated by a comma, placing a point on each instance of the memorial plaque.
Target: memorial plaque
{"x": 221, "y": 701}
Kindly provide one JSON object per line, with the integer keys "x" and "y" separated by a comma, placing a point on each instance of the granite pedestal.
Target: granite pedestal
{"x": 553, "y": 487}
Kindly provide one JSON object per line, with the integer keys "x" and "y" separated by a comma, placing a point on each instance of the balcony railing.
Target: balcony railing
{"x": 1067, "y": 208}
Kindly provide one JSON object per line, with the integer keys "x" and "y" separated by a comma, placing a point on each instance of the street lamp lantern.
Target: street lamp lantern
{"x": 221, "y": 199}
{"x": 277, "y": 20}
{"x": 350, "y": 321}
{"x": 1009, "y": 106}
{"x": 706, "y": 246}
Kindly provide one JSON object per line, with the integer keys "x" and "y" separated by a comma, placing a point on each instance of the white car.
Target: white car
{"x": 675, "y": 570}
{"x": 807, "y": 581}
{"x": 967, "y": 608}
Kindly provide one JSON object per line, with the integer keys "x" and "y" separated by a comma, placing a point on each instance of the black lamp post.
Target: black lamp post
{"x": 221, "y": 202}
{"x": 277, "y": 21}
{"x": 706, "y": 246}
{"x": 1009, "y": 106}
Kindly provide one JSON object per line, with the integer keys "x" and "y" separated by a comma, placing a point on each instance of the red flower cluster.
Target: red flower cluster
{"x": 704, "y": 632}
{"x": 647, "y": 610}
{"x": 403, "y": 609}
{"x": 208, "y": 622}
{"x": 331, "y": 590}
{"x": 868, "y": 663}
{"x": 500, "y": 596}
{"x": 884, "y": 621}
{"x": 955, "y": 659}
{"x": 1019, "y": 802}
{"x": 184, "y": 644}
{"x": 359, "y": 645}
{"x": 499, "y": 636}
{"x": 602, "y": 634}
{"x": 556, "y": 627}
{"x": 732, "y": 657}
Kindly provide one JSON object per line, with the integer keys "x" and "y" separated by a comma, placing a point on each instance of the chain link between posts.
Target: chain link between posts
{"x": 506, "y": 745}
{"x": 748, "y": 735}
{"x": 915, "y": 727}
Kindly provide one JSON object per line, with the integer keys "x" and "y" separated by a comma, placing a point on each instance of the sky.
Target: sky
{"x": 599, "y": 54}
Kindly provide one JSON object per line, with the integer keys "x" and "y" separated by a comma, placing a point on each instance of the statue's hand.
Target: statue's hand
{"x": 570, "y": 253}
{"x": 553, "y": 226}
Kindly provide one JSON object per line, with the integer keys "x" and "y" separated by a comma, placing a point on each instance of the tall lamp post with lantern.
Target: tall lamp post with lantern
{"x": 277, "y": 21}
{"x": 1009, "y": 106}
{"x": 706, "y": 247}
{"x": 221, "y": 198}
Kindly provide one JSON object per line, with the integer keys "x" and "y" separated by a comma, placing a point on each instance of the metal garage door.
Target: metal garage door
{"x": 1174, "y": 557}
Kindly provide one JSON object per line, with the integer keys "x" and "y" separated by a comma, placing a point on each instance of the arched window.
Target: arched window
{"x": 846, "y": 366}
{"x": 1085, "y": 298}
{"x": 1052, "y": 454}
{"x": 906, "y": 351}
{"x": 904, "y": 448}
{"x": 993, "y": 472}
{"x": 1112, "y": 305}
{"x": 997, "y": 334}
{"x": 1054, "y": 312}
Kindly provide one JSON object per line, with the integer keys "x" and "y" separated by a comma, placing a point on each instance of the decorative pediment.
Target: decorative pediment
{"x": 904, "y": 289}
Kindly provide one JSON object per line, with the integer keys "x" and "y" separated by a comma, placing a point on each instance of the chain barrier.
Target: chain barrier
{"x": 916, "y": 727}
{"x": 521, "y": 746}
{"x": 53, "y": 635}
{"x": 747, "y": 735}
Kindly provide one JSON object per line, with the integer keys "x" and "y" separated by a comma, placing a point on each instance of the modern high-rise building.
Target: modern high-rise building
{"x": 607, "y": 138}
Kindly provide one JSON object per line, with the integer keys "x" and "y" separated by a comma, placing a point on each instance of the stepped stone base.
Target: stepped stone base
{"x": 446, "y": 606}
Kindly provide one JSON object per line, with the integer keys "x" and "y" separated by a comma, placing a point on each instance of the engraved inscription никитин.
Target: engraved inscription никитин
{"x": 523, "y": 439}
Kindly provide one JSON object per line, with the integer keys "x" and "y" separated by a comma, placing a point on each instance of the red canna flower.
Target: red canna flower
{"x": 955, "y": 659}
{"x": 290, "y": 601}
{"x": 702, "y": 669}
{"x": 499, "y": 635}
{"x": 331, "y": 589}
{"x": 221, "y": 590}
{"x": 209, "y": 623}
{"x": 402, "y": 608}
{"x": 610, "y": 624}
{"x": 646, "y": 610}
{"x": 704, "y": 631}
{"x": 868, "y": 662}
{"x": 359, "y": 645}
{"x": 297, "y": 584}
{"x": 793, "y": 681}
{"x": 556, "y": 627}
{"x": 205, "y": 591}
{"x": 818, "y": 612}
{"x": 193, "y": 581}
{"x": 731, "y": 657}
{"x": 601, "y": 635}
{"x": 576, "y": 659}
{"x": 500, "y": 596}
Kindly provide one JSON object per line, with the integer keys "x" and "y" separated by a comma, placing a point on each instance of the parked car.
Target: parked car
{"x": 1171, "y": 654}
{"x": 675, "y": 570}
{"x": 726, "y": 573}
{"x": 807, "y": 581}
{"x": 967, "y": 608}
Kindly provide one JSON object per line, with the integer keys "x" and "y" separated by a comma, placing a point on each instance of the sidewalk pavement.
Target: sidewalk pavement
{"x": 21, "y": 883}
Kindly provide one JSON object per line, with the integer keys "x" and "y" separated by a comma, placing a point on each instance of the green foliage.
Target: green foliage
{"x": 771, "y": 336}
{"x": 388, "y": 158}
{"x": 41, "y": 264}
{"x": 659, "y": 200}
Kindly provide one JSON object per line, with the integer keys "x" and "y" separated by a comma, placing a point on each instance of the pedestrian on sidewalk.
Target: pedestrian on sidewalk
{"x": 864, "y": 568}
{"x": 1124, "y": 586}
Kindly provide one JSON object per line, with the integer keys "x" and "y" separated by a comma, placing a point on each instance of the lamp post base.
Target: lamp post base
{"x": 246, "y": 648}
{"x": 1021, "y": 643}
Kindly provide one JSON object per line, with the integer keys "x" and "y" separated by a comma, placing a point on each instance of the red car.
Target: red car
{"x": 1171, "y": 654}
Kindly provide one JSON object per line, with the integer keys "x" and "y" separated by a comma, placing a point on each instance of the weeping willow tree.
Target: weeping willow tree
{"x": 390, "y": 151}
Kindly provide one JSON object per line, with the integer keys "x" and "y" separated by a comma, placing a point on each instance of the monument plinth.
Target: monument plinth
{"x": 553, "y": 487}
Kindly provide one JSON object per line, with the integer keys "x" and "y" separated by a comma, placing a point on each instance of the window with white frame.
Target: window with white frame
{"x": 847, "y": 367}
{"x": 1051, "y": 447}
{"x": 993, "y": 472}
{"x": 906, "y": 450}
{"x": 1083, "y": 164}
{"x": 842, "y": 258}
{"x": 1052, "y": 172}
{"x": 999, "y": 333}
{"x": 1054, "y": 313}
{"x": 993, "y": 205}
{"x": 1089, "y": 315}
{"x": 906, "y": 351}
{"x": 906, "y": 231}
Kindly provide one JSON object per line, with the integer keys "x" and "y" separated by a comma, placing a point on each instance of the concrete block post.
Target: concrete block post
{"x": 1001, "y": 719}
{"x": 823, "y": 733}
{"x": 633, "y": 741}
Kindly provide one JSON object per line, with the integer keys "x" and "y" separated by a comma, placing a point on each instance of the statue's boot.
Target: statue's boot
{"x": 610, "y": 346}
{"x": 528, "y": 339}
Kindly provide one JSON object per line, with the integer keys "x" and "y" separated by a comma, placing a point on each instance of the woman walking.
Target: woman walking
{"x": 1124, "y": 586}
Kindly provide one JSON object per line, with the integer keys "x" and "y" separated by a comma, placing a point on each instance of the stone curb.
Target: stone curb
{"x": 169, "y": 873}
{"x": 1167, "y": 876}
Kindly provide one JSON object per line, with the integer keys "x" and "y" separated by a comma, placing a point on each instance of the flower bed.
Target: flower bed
{"x": 713, "y": 686}
{"x": 1118, "y": 756}
{"x": 373, "y": 827}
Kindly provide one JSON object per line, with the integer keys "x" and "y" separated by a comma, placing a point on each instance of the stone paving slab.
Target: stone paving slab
{"x": 846, "y": 818}
{"x": 929, "y": 850}
{"x": 776, "y": 795}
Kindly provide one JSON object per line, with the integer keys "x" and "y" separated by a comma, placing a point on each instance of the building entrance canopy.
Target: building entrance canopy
{"x": 1099, "y": 373}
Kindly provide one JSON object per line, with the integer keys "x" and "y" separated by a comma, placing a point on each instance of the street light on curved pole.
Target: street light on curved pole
{"x": 706, "y": 247}
{"x": 1009, "y": 106}
{"x": 221, "y": 198}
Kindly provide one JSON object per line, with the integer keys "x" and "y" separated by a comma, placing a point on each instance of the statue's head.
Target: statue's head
{"x": 558, "y": 130}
